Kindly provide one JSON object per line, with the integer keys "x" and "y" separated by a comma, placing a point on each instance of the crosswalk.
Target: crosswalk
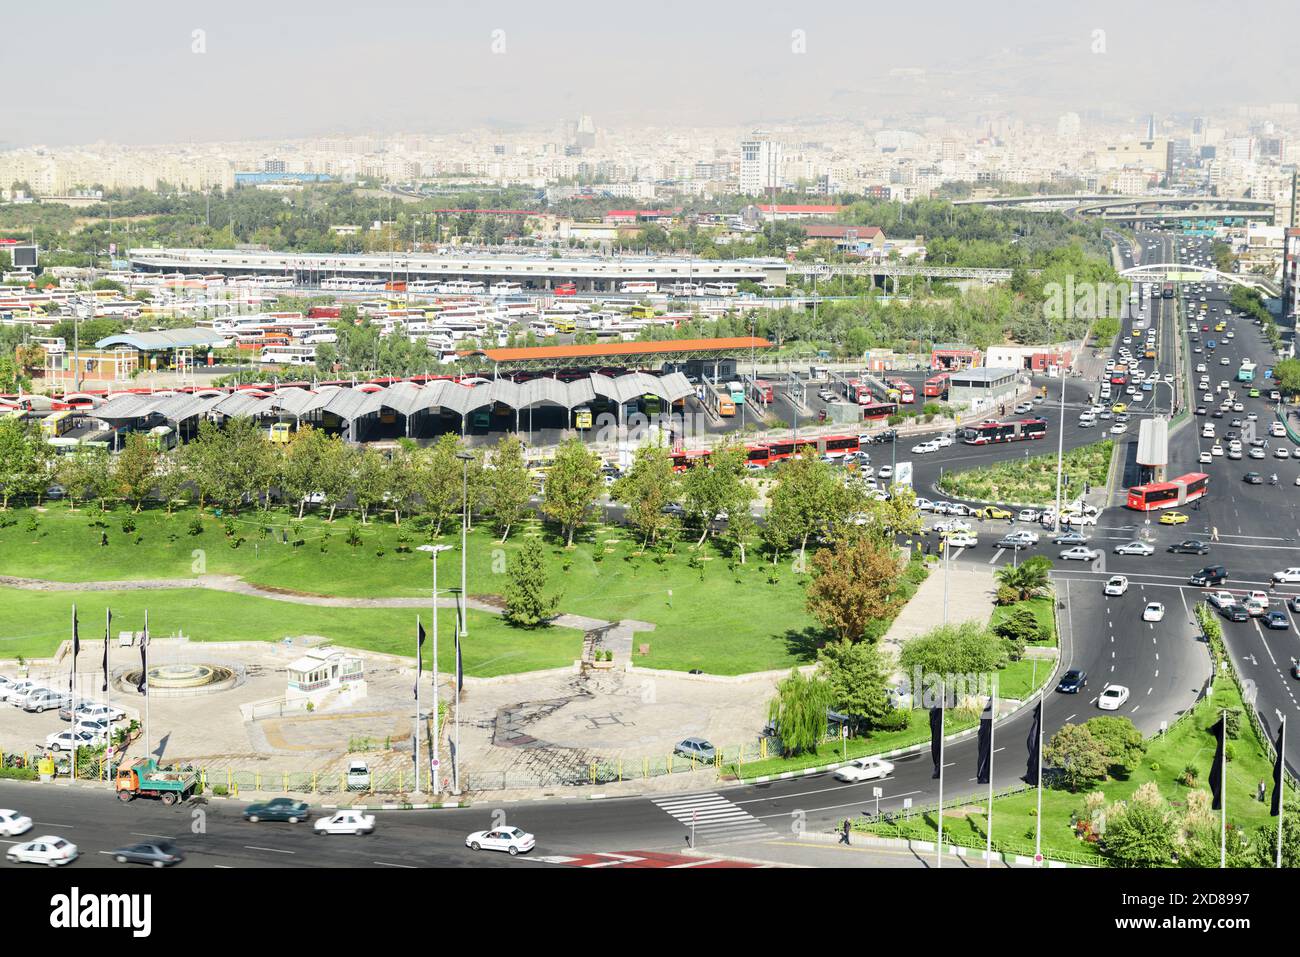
{"x": 715, "y": 818}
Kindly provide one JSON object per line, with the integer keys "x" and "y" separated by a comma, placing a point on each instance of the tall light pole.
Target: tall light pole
{"x": 436, "y": 761}
{"x": 465, "y": 459}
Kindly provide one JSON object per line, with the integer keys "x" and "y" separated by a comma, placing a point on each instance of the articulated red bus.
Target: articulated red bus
{"x": 769, "y": 453}
{"x": 906, "y": 394}
{"x": 566, "y": 289}
{"x": 875, "y": 411}
{"x": 1178, "y": 491}
{"x": 936, "y": 387}
{"x": 987, "y": 433}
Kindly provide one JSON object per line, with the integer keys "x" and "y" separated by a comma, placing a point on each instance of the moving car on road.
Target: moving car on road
{"x": 865, "y": 769}
{"x": 1080, "y": 553}
{"x": 1174, "y": 518}
{"x": 1135, "y": 548}
{"x": 12, "y": 823}
{"x": 1209, "y": 575}
{"x": 50, "y": 850}
{"x": 1073, "y": 681}
{"x": 1112, "y": 697}
{"x": 1277, "y": 620}
{"x": 1116, "y": 585}
{"x": 1189, "y": 546}
{"x": 277, "y": 809}
{"x": 1287, "y": 576}
{"x": 1154, "y": 611}
{"x": 157, "y": 853}
{"x": 512, "y": 840}
{"x": 345, "y": 822}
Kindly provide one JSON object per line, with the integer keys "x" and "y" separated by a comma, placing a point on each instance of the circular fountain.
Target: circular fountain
{"x": 179, "y": 679}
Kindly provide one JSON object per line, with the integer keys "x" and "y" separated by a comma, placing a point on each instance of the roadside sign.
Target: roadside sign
{"x": 903, "y": 474}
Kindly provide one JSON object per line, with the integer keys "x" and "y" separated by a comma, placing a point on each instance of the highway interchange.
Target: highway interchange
{"x": 1164, "y": 664}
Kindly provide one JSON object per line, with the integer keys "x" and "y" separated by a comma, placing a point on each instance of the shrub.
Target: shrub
{"x": 196, "y": 526}
{"x": 898, "y": 719}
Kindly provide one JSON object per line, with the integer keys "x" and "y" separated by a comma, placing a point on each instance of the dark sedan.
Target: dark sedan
{"x": 157, "y": 853}
{"x": 1235, "y": 612}
{"x": 1253, "y": 478}
{"x": 277, "y": 809}
{"x": 1073, "y": 681}
{"x": 1189, "y": 546}
{"x": 1277, "y": 620}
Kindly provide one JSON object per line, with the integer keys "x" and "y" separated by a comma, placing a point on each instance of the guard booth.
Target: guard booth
{"x": 1153, "y": 450}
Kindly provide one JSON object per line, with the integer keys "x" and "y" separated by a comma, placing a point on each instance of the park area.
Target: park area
{"x": 1032, "y": 480}
{"x": 265, "y": 578}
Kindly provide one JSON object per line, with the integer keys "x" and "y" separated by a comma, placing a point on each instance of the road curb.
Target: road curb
{"x": 953, "y": 850}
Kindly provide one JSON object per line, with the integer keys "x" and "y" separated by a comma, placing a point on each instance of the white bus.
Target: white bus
{"x": 637, "y": 285}
{"x": 685, "y": 289}
{"x": 507, "y": 288}
{"x": 462, "y": 287}
{"x": 288, "y": 355}
{"x": 719, "y": 289}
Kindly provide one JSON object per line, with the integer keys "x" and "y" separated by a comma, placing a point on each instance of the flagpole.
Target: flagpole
{"x": 943, "y": 700}
{"x": 1223, "y": 788}
{"x": 1281, "y": 789}
{"x": 437, "y": 731}
{"x": 1038, "y": 820}
{"x": 108, "y": 693}
{"x": 144, "y": 663}
{"x": 993, "y": 723}
{"x": 419, "y": 667}
{"x": 72, "y": 687}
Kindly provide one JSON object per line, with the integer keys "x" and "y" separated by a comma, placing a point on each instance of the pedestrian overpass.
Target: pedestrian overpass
{"x": 1180, "y": 272}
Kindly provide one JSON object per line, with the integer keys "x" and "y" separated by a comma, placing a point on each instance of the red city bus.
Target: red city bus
{"x": 874, "y": 411}
{"x": 936, "y": 387}
{"x": 838, "y": 445}
{"x": 986, "y": 433}
{"x": 1179, "y": 491}
{"x": 906, "y": 394}
{"x": 689, "y": 459}
{"x": 566, "y": 289}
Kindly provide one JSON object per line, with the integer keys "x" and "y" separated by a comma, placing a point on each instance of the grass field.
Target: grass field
{"x": 1031, "y": 481}
{"x": 1187, "y": 742}
{"x": 713, "y": 617}
{"x": 33, "y": 623}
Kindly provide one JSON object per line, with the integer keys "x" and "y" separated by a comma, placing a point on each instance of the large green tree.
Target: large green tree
{"x": 858, "y": 675}
{"x": 647, "y": 487}
{"x": 716, "y": 489}
{"x": 508, "y": 486}
{"x": 527, "y": 604}
{"x": 853, "y": 584}
{"x": 798, "y": 712}
{"x": 572, "y": 485}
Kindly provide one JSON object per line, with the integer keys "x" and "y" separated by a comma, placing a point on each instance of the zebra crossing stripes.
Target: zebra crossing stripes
{"x": 715, "y": 818}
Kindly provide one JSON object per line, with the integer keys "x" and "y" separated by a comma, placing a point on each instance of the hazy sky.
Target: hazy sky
{"x": 123, "y": 70}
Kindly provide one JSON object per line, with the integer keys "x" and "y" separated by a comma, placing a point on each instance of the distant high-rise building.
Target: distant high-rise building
{"x": 1290, "y": 276}
{"x": 1068, "y": 126}
{"x": 1151, "y": 128}
{"x": 760, "y": 165}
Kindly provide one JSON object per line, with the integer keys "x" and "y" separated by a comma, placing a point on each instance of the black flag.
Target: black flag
{"x": 108, "y": 627}
{"x": 984, "y": 763}
{"x": 1276, "y": 808}
{"x": 1216, "y": 772}
{"x": 76, "y": 647}
{"x": 936, "y": 739}
{"x": 419, "y": 654}
{"x": 1032, "y": 766}
{"x": 144, "y": 661}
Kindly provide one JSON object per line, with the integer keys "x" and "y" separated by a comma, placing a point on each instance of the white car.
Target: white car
{"x": 944, "y": 441}
{"x": 950, "y": 525}
{"x": 1154, "y": 611}
{"x": 14, "y": 692}
{"x": 60, "y": 740}
{"x": 1135, "y": 548}
{"x": 925, "y": 447}
{"x": 44, "y": 850}
{"x": 1112, "y": 697}
{"x": 1119, "y": 428}
{"x": 865, "y": 769}
{"x": 1281, "y": 452}
{"x": 886, "y": 472}
{"x": 1028, "y": 515}
{"x": 1287, "y": 576}
{"x": 345, "y": 822}
{"x": 1116, "y": 585}
{"x": 1081, "y": 553}
{"x": 358, "y": 776}
{"x": 924, "y": 505}
{"x": 510, "y": 839}
{"x": 1076, "y": 518}
{"x": 1205, "y": 458}
{"x": 99, "y": 712}
{"x": 12, "y": 823}
{"x": 962, "y": 540}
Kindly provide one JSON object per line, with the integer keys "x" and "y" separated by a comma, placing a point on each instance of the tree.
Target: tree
{"x": 1140, "y": 833}
{"x": 858, "y": 675}
{"x": 135, "y": 469}
{"x": 1029, "y": 579}
{"x": 507, "y": 485}
{"x": 86, "y": 473}
{"x": 1286, "y": 373}
{"x": 740, "y": 528}
{"x": 648, "y": 486}
{"x": 967, "y": 648}
{"x": 1079, "y": 758}
{"x": 807, "y": 499}
{"x": 1120, "y": 741}
{"x": 710, "y": 491}
{"x": 527, "y": 605}
{"x": 18, "y": 458}
{"x": 853, "y": 585}
{"x": 369, "y": 480}
{"x": 798, "y": 712}
{"x": 572, "y": 485}
{"x": 172, "y": 481}
{"x": 334, "y": 479}
{"x": 304, "y": 463}
{"x": 401, "y": 480}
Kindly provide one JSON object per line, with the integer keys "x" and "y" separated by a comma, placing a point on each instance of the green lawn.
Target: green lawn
{"x": 1187, "y": 742}
{"x": 1032, "y": 480}
{"x": 720, "y": 619}
{"x": 33, "y": 623}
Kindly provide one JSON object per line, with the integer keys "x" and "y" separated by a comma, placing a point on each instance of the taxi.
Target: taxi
{"x": 1174, "y": 518}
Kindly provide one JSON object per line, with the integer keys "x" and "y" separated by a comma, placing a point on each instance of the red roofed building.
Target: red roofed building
{"x": 769, "y": 212}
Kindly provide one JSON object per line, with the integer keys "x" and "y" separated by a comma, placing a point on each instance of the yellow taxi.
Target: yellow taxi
{"x": 1220, "y": 327}
{"x": 993, "y": 511}
{"x": 1173, "y": 518}
{"x": 1119, "y": 407}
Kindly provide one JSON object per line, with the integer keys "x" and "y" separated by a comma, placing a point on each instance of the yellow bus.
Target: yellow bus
{"x": 582, "y": 417}
{"x": 642, "y": 312}
{"x": 56, "y": 424}
{"x": 565, "y": 325}
{"x": 280, "y": 433}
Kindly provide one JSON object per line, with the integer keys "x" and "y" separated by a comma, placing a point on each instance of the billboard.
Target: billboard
{"x": 903, "y": 474}
{"x": 24, "y": 256}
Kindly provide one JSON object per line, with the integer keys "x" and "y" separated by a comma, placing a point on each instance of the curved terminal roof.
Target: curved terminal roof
{"x": 404, "y": 398}
{"x": 163, "y": 340}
